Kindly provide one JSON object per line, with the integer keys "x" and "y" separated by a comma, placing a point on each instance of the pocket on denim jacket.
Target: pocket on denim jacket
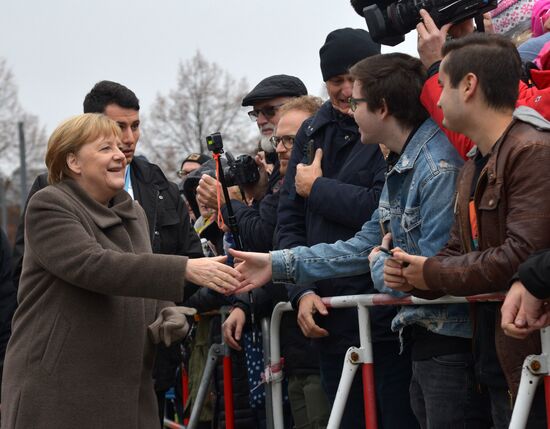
{"x": 411, "y": 218}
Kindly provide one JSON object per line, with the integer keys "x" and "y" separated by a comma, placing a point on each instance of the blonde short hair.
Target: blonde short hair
{"x": 305, "y": 103}
{"x": 70, "y": 136}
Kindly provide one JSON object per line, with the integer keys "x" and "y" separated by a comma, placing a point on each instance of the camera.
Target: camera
{"x": 240, "y": 171}
{"x": 214, "y": 143}
{"x": 388, "y": 22}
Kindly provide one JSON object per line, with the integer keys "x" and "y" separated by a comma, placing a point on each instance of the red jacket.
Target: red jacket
{"x": 536, "y": 97}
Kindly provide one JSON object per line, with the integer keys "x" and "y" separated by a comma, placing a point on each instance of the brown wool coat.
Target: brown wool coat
{"x": 79, "y": 355}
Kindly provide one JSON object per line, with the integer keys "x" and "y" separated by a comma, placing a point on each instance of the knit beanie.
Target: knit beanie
{"x": 343, "y": 48}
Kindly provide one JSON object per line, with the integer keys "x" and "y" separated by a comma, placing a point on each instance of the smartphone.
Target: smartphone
{"x": 390, "y": 254}
{"x": 310, "y": 152}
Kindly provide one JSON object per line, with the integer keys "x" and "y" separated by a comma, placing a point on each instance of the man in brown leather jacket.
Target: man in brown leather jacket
{"x": 502, "y": 211}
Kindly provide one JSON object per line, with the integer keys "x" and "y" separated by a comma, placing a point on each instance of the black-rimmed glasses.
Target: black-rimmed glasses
{"x": 268, "y": 112}
{"x": 353, "y": 102}
{"x": 287, "y": 141}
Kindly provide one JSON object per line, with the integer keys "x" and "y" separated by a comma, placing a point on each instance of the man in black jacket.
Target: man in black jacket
{"x": 329, "y": 200}
{"x": 169, "y": 226}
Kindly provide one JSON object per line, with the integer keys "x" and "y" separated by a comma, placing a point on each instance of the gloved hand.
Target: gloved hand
{"x": 171, "y": 325}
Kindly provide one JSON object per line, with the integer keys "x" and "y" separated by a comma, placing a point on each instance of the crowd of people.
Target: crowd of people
{"x": 415, "y": 177}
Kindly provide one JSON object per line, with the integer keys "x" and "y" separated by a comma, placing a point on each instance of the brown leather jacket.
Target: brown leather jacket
{"x": 512, "y": 200}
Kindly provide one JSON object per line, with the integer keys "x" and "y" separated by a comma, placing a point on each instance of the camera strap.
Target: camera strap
{"x": 221, "y": 223}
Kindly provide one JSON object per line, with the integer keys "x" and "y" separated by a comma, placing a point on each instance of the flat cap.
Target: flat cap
{"x": 196, "y": 157}
{"x": 280, "y": 85}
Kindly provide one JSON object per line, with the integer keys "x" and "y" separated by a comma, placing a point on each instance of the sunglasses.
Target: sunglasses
{"x": 268, "y": 112}
{"x": 287, "y": 141}
{"x": 354, "y": 101}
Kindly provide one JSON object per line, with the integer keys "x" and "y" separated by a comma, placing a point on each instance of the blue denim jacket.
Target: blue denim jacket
{"x": 416, "y": 206}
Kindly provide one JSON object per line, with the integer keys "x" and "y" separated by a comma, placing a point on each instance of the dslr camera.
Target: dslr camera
{"x": 239, "y": 171}
{"x": 388, "y": 21}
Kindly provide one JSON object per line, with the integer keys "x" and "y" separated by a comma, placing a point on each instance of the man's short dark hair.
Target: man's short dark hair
{"x": 493, "y": 59}
{"x": 396, "y": 79}
{"x": 106, "y": 92}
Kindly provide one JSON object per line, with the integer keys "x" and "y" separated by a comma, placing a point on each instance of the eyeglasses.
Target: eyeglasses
{"x": 268, "y": 112}
{"x": 287, "y": 141}
{"x": 353, "y": 102}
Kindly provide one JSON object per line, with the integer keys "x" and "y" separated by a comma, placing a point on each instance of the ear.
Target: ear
{"x": 469, "y": 86}
{"x": 383, "y": 111}
{"x": 72, "y": 163}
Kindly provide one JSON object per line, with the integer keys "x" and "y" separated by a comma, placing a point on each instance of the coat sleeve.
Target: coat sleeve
{"x": 535, "y": 274}
{"x": 326, "y": 261}
{"x": 429, "y": 98}
{"x": 82, "y": 262}
{"x": 291, "y": 213}
{"x": 348, "y": 204}
{"x": 526, "y": 227}
{"x": 256, "y": 224}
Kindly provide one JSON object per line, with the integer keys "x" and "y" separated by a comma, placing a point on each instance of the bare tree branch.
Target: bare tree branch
{"x": 206, "y": 99}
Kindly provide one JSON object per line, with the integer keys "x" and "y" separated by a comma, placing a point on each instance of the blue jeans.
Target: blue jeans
{"x": 392, "y": 375}
{"x": 444, "y": 393}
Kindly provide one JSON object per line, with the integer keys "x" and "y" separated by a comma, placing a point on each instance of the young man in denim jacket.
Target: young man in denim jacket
{"x": 416, "y": 207}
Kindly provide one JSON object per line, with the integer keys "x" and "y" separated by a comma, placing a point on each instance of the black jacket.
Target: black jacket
{"x": 257, "y": 227}
{"x": 8, "y": 298}
{"x": 169, "y": 226}
{"x": 534, "y": 273}
{"x": 339, "y": 204}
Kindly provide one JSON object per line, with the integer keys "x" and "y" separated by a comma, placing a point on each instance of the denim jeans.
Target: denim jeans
{"x": 444, "y": 393}
{"x": 392, "y": 375}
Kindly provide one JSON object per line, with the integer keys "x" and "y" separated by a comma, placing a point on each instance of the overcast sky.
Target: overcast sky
{"x": 57, "y": 49}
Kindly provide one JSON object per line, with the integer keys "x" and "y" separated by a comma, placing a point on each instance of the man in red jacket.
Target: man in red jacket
{"x": 430, "y": 42}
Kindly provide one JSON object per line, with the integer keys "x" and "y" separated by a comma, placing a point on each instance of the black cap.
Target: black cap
{"x": 196, "y": 157}
{"x": 280, "y": 85}
{"x": 343, "y": 48}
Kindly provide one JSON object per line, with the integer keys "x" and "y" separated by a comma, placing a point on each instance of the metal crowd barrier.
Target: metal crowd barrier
{"x": 534, "y": 368}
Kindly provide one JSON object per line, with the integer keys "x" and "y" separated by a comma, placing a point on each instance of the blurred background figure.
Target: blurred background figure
{"x": 188, "y": 165}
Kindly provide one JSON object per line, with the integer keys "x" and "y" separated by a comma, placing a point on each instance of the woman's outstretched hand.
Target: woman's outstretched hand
{"x": 213, "y": 274}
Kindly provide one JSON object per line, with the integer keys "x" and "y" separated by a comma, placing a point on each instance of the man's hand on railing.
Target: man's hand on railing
{"x": 523, "y": 313}
{"x": 309, "y": 305}
{"x": 233, "y": 328}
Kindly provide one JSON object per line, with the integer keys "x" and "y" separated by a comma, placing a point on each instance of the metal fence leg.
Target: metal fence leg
{"x": 351, "y": 362}
{"x": 267, "y": 361}
{"x": 275, "y": 350}
{"x": 215, "y": 351}
{"x": 527, "y": 388}
{"x": 534, "y": 368}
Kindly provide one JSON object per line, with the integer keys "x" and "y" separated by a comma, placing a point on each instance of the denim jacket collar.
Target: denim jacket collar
{"x": 407, "y": 160}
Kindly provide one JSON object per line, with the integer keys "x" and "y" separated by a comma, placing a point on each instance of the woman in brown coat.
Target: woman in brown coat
{"x": 80, "y": 354}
